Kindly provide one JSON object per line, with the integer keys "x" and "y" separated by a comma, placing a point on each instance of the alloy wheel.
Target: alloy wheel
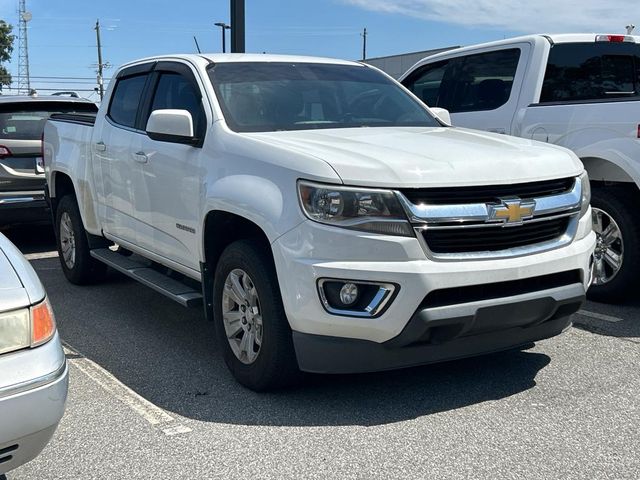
{"x": 67, "y": 241}
{"x": 609, "y": 252}
{"x": 242, "y": 316}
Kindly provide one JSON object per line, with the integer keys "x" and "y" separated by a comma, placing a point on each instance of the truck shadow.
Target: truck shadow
{"x": 167, "y": 354}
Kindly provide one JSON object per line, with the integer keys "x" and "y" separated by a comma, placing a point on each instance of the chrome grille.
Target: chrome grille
{"x": 461, "y": 223}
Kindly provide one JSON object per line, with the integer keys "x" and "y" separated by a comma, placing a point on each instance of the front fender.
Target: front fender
{"x": 272, "y": 207}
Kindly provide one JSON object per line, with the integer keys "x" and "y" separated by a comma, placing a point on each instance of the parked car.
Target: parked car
{"x": 21, "y": 170}
{"x": 580, "y": 91}
{"x": 334, "y": 223}
{"x": 33, "y": 368}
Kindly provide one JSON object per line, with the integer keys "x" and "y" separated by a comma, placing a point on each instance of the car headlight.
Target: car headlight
{"x": 586, "y": 193}
{"x": 27, "y": 327}
{"x": 369, "y": 210}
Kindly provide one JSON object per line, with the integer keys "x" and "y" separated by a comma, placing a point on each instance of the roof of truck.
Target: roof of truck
{"x": 552, "y": 38}
{"x": 244, "y": 57}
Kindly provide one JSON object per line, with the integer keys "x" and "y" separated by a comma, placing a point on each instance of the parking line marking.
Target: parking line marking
{"x": 178, "y": 429}
{"x": 600, "y": 316}
{"x": 41, "y": 255}
{"x": 153, "y": 414}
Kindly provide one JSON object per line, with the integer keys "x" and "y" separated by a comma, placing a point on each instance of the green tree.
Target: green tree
{"x": 6, "y": 48}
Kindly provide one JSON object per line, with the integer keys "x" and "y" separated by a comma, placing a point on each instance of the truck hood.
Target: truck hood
{"x": 432, "y": 157}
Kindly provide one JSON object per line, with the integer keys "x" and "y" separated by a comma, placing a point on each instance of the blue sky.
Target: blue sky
{"x": 62, "y": 39}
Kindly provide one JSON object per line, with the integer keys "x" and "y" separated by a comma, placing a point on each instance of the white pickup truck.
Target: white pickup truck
{"x": 325, "y": 218}
{"x": 580, "y": 91}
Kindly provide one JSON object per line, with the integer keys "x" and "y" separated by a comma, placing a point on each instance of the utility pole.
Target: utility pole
{"x": 100, "y": 64}
{"x": 364, "y": 44}
{"x": 237, "y": 26}
{"x": 24, "y": 84}
{"x": 223, "y": 26}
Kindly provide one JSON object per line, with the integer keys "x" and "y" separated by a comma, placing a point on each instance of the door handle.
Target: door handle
{"x": 101, "y": 147}
{"x": 141, "y": 157}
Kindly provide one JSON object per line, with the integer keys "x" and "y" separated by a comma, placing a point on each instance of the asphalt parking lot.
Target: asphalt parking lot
{"x": 149, "y": 398}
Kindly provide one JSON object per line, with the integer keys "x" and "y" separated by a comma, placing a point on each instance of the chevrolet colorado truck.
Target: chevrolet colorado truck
{"x": 580, "y": 91}
{"x": 325, "y": 219}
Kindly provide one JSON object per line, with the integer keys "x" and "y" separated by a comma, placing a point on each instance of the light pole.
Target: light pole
{"x": 223, "y": 26}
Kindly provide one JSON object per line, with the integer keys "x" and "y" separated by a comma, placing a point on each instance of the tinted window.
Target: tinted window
{"x": 468, "y": 84}
{"x": 591, "y": 71}
{"x": 25, "y": 121}
{"x": 483, "y": 81}
{"x": 425, "y": 83}
{"x": 177, "y": 92}
{"x": 272, "y": 96}
{"x": 125, "y": 100}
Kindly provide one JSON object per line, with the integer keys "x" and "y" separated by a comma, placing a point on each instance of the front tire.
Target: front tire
{"x": 252, "y": 328}
{"x": 617, "y": 255}
{"x": 78, "y": 265}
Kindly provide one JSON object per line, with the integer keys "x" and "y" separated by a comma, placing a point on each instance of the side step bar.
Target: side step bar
{"x": 174, "y": 289}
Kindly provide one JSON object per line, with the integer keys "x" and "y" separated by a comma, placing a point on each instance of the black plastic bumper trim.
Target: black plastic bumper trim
{"x": 453, "y": 332}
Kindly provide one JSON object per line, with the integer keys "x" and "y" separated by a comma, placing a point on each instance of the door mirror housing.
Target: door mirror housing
{"x": 171, "y": 125}
{"x": 442, "y": 114}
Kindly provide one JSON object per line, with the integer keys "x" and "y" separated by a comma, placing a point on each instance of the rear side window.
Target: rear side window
{"x": 467, "y": 84}
{"x": 591, "y": 71}
{"x": 25, "y": 120}
{"x": 126, "y": 99}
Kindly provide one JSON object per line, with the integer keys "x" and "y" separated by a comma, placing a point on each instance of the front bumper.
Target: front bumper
{"x": 23, "y": 207}
{"x": 312, "y": 251}
{"x": 33, "y": 392}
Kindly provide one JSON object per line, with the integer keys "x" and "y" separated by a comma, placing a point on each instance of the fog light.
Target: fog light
{"x": 356, "y": 298}
{"x": 348, "y": 293}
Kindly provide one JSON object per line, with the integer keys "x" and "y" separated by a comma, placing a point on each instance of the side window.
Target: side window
{"x": 426, "y": 82}
{"x": 481, "y": 82}
{"x": 126, "y": 99}
{"x": 591, "y": 71}
{"x": 177, "y": 92}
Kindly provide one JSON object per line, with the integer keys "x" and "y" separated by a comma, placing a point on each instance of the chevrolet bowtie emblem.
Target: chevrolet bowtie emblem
{"x": 510, "y": 211}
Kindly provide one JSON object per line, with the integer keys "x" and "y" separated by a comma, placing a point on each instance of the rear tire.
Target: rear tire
{"x": 613, "y": 214}
{"x": 78, "y": 265}
{"x": 250, "y": 322}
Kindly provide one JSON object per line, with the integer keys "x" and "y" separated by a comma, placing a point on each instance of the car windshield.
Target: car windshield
{"x": 272, "y": 96}
{"x": 25, "y": 121}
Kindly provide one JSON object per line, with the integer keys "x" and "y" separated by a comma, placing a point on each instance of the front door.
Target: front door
{"x": 169, "y": 180}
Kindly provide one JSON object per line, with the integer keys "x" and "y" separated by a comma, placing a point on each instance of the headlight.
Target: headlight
{"x": 369, "y": 210}
{"x": 27, "y": 327}
{"x": 586, "y": 193}
{"x": 15, "y": 330}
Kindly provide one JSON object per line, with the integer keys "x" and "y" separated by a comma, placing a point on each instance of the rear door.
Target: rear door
{"x": 479, "y": 89}
{"x": 21, "y": 127}
{"x": 111, "y": 147}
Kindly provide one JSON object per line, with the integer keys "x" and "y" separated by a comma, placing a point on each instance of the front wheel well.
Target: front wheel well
{"x": 222, "y": 229}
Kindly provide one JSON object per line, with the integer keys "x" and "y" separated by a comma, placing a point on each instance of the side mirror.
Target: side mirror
{"x": 442, "y": 114}
{"x": 171, "y": 125}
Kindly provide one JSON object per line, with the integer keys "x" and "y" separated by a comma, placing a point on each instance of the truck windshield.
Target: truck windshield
{"x": 272, "y": 96}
